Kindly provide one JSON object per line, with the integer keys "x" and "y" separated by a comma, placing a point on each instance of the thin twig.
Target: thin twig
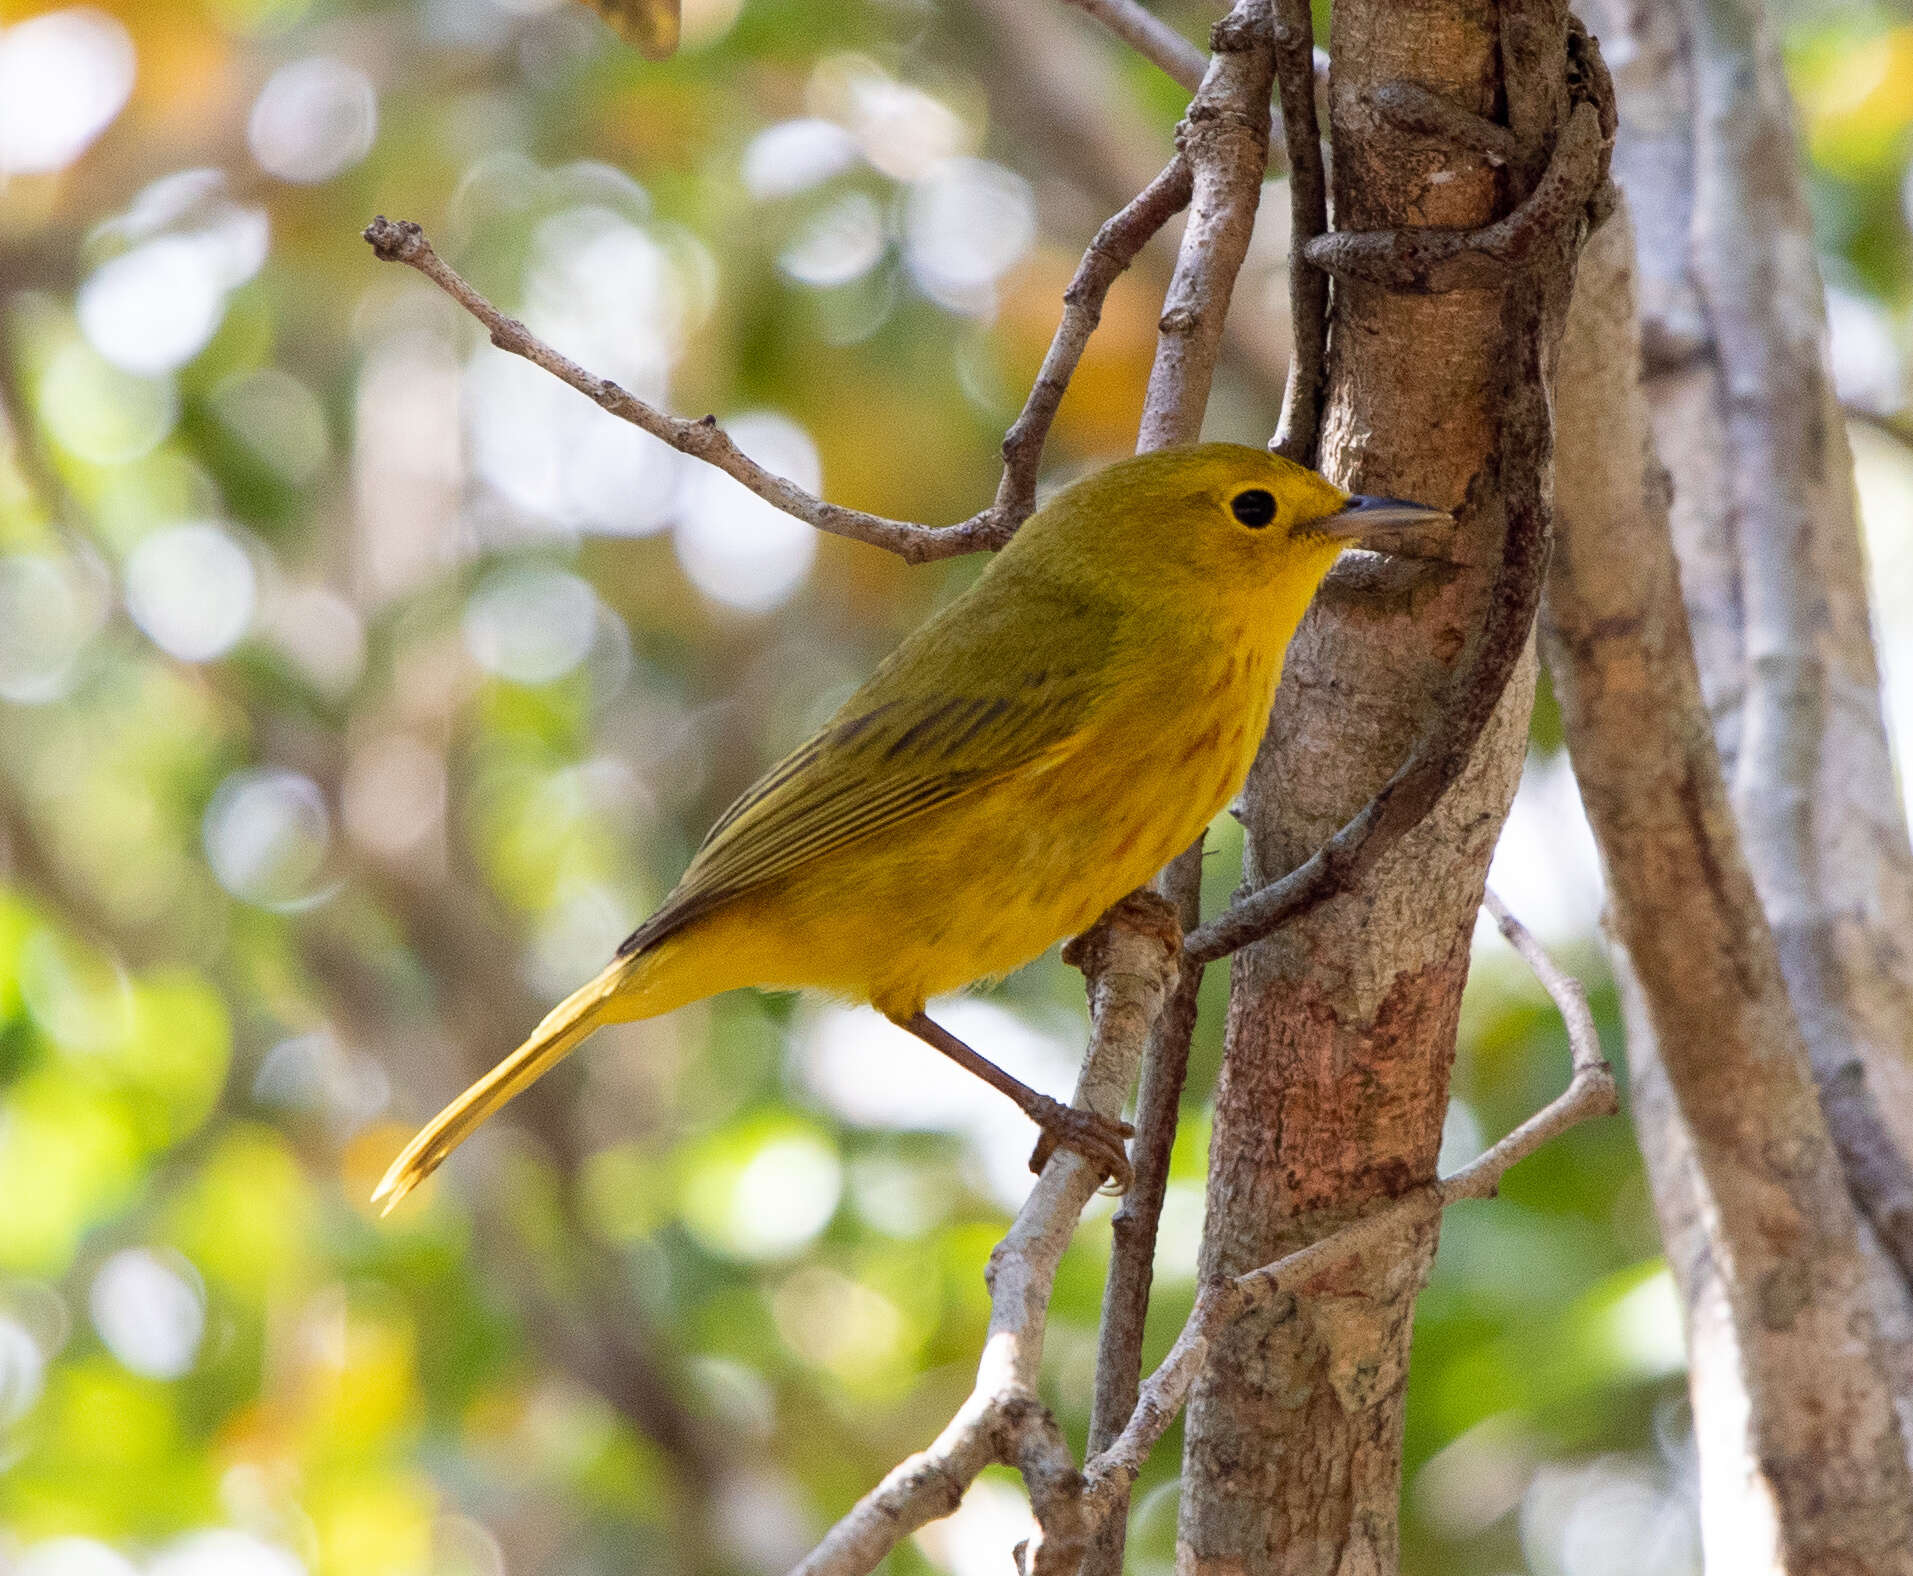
{"x": 1113, "y": 249}
{"x": 1161, "y": 45}
{"x": 1151, "y": 37}
{"x": 1590, "y": 1093}
{"x": 1299, "y": 432}
{"x": 402, "y": 241}
{"x": 1130, "y": 958}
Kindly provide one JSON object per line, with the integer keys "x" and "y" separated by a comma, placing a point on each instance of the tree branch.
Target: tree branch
{"x": 1225, "y": 137}
{"x": 1784, "y": 1269}
{"x": 1151, "y": 37}
{"x": 1134, "y": 1228}
{"x": 1299, "y": 432}
{"x": 1114, "y": 249}
{"x": 1131, "y": 971}
{"x": 1789, "y": 505}
{"x": 1410, "y": 107}
{"x": 1224, "y": 145}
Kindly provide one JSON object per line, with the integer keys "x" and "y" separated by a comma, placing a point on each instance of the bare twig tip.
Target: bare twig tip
{"x": 394, "y": 240}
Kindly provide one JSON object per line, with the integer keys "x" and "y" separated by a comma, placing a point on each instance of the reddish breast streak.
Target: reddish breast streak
{"x": 1201, "y": 746}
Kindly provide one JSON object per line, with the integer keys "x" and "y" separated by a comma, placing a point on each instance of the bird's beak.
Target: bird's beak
{"x": 1363, "y": 516}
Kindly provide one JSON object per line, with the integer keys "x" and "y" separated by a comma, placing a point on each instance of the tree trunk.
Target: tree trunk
{"x": 1802, "y": 1455}
{"x": 1764, "y": 526}
{"x": 1342, "y": 1026}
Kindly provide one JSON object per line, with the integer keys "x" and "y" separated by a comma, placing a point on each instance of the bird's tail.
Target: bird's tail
{"x": 562, "y": 1030}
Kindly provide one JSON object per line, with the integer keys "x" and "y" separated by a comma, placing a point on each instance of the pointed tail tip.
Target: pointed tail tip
{"x": 393, "y": 1187}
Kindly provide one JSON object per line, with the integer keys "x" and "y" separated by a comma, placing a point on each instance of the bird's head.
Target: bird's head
{"x": 1237, "y": 519}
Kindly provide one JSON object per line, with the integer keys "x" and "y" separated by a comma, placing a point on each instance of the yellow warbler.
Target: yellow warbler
{"x": 1035, "y": 751}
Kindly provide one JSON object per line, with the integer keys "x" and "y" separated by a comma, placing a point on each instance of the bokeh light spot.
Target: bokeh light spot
{"x": 266, "y": 835}
{"x": 314, "y": 119}
{"x": 46, "y": 618}
{"x": 64, "y": 76}
{"x": 149, "y": 1311}
{"x": 279, "y": 419}
{"x": 530, "y": 623}
{"x": 870, "y": 1073}
{"x": 763, "y": 1194}
{"x": 74, "y": 1557}
{"x": 841, "y": 1325}
{"x": 1645, "y": 1328}
{"x": 100, "y": 412}
{"x": 191, "y": 588}
{"x": 795, "y": 155}
{"x": 22, "y": 1371}
{"x": 315, "y": 1075}
{"x": 394, "y": 794}
{"x": 994, "y": 1516}
{"x": 321, "y": 632}
{"x": 901, "y": 129}
{"x": 840, "y": 242}
{"x": 966, "y": 224}
{"x": 154, "y": 308}
{"x": 1612, "y": 1517}
{"x": 617, "y": 479}
{"x": 225, "y": 1552}
{"x": 736, "y": 548}
{"x": 80, "y": 997}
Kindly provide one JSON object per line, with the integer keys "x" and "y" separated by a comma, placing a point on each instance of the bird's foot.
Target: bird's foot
{"x": 1098, "y": 1139}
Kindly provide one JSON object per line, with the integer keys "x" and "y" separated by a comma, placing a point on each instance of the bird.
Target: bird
{"x": 1035, "y": 751}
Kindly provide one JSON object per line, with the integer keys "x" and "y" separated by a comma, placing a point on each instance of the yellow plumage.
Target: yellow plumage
{"x": 1039, "y": 748}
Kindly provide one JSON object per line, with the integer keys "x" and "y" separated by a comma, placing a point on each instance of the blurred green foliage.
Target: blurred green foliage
{"x": 359, "y": 689}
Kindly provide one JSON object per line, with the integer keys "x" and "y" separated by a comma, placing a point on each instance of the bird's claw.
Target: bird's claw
{"x": 1098, "y": 1139}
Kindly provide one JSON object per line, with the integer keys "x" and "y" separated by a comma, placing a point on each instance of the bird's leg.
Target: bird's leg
{"x": 1095, "y": 1137}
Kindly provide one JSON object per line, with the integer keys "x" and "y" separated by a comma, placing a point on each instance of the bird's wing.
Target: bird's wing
{"x": 916, "y": 737}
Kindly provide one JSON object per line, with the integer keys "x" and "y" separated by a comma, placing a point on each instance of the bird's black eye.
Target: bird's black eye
{"x": 1256, "y": 507}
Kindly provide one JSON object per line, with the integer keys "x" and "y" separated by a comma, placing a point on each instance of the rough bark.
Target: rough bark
{"x": 1760, "y": 1227}
{"x": 1342, "y": 1027}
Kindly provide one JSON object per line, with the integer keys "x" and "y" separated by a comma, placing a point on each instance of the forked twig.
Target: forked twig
{"x": 1113, "y": 250}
